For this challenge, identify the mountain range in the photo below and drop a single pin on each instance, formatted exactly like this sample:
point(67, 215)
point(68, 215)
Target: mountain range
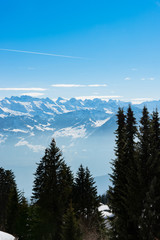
point(83, 130)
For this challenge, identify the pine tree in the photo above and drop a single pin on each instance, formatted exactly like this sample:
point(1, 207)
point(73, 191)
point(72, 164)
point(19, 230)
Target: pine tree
point(150, 218)
point(85, 193)
point(117, 193)
point(71, 228)
point(86, 203)
point(8, 200)
point(144, 151)
point(22, 223)
point(104, 198)
point(12, 211)
point(131, 201)
point(122, 196)
point(51, 192)
point(144, 157)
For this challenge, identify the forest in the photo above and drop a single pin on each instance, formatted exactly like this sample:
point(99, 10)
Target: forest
point(65, 207)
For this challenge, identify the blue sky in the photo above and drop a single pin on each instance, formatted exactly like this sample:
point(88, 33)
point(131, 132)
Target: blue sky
point(113, 48)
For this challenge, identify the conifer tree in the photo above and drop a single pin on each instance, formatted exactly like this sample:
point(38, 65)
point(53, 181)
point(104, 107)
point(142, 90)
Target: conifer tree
point(22, 223)
point(8, 199)
point(117, 193)
point(149, 222)
point(85, 193)
point(51, 192)
point(144, 151)
point(122, 196)
point(12, 211)
point(86, 202)
point(71, 228)
point(131, 201)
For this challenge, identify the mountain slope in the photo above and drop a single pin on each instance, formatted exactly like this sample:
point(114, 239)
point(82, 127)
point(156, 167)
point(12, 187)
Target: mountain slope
point(84, 130)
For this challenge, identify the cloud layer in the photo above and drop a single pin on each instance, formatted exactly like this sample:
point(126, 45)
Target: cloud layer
point(106, 98)
point(77, 85)
point(23, 89)
point(32, 94)
point(34, 148)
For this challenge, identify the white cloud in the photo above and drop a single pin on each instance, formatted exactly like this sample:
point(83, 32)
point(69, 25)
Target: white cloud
point(97, 85)
point(33, 94)
point(141, 100)
point(34, 148)
point(2, 138)
point(77, 85)
point(127, 78)
point(67, 85)
point(151, 79)
point(23, 89)
point(39, 53)
point(106, 98)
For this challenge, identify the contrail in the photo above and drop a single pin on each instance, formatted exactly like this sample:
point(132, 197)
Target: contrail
point(39, 53)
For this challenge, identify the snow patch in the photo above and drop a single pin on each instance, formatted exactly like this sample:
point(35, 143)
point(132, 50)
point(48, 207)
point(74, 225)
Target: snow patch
point(6, 236)
point(104, 209)
point(12, 112)
point(38, 104)
point(27, 105)
point(78, 132)
point(99, 123)
point(108, 111)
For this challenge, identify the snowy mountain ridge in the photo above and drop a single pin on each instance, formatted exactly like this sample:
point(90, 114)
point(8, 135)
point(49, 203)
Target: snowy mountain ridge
point(83, 129)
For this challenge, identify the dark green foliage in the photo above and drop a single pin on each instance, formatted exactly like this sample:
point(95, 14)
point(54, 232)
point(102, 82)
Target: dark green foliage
point(122, 196)
point(85, 193)
point(104, 198)
point(8, 200)
point(12, 211)
point(149, 220)
point(51, 193)
point(131, 201)
point(134, 198)
point(144, 152)
point(71, 228)
point(117, 193)
point(22, 223)
point(86, 203)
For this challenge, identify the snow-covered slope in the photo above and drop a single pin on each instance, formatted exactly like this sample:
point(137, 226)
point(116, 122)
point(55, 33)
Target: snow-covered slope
point(6, 236)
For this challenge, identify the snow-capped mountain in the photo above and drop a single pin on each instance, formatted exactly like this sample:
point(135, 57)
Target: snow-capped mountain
point(84, 131)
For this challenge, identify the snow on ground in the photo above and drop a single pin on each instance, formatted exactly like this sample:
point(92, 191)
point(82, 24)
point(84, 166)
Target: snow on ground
point(99, 123)
point(104, 209)
point(6, 236)
point(12, 112)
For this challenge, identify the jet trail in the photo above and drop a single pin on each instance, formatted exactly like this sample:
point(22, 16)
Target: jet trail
point(40, 53)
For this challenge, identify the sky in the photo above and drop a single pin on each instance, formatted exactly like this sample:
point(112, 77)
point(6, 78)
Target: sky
point(80, 49)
